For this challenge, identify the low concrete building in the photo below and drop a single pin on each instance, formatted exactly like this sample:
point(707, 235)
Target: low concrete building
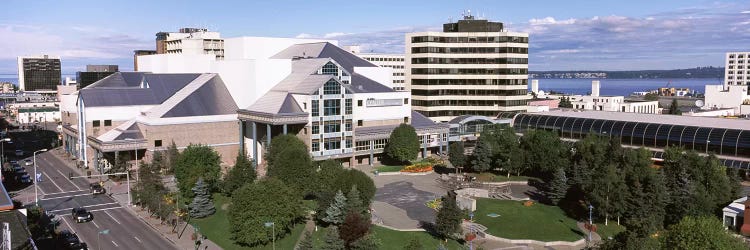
point(597, 102)
point(136, 113)
point(734, 214)
point(728, 96)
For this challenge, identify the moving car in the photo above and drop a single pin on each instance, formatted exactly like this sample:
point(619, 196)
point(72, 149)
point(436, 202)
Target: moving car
point(97, 188)
point(81, 215)
point(68, 240)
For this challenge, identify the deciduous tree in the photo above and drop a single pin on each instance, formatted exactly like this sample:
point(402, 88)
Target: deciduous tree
point(291, 163)
point(456, 155)
point(701, 233)
point(266, 200)
point(354, 227)
point(242, 172)
point(482, 156)
point(197, 161)
point(403, 144)
point(544, 153)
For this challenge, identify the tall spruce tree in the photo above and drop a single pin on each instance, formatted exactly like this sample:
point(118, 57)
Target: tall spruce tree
point(202, 205)
point(448, 218)
point(337, 210)
point(558, 187)
point(354, 202)
point(331, 241)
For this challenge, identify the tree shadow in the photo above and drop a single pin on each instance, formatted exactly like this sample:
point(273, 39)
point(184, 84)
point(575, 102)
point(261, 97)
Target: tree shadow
point(440, 169)
point(578, 232)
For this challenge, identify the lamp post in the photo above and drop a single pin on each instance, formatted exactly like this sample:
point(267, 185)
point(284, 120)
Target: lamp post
point(591, 223)
point(2, 155)
point(36, 179)
point(273, 233)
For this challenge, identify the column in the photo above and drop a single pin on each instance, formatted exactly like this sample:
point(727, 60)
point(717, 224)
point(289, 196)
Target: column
point(440, 145)
point(242, 136)
point(285, 129)
point(255, 142)
point(448, 143)
point(268, 135)
point(372, 148)
point(424, 146)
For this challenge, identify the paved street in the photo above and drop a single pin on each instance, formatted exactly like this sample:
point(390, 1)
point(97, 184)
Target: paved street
point(59, 195)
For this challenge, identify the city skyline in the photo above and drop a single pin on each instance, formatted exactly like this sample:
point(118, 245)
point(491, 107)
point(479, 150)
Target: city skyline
point(575, 35)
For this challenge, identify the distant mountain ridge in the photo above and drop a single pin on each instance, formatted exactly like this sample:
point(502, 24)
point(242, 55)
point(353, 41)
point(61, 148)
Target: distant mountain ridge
point(698, 72)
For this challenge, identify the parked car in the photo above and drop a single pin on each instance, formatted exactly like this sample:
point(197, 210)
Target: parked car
point(13, 162)
point(28, 162)
point(19, 152)
point(25, 178)
point(81, 215)
point(97, 188)
point(67, 239)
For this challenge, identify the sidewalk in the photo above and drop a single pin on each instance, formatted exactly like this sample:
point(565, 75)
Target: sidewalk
point(119, 191)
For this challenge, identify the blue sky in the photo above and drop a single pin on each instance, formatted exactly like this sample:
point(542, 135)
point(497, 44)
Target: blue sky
point(564, 35)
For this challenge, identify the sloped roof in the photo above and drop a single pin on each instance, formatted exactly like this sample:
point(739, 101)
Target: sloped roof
point(123, 89)
point(275, 102)
point(127, 130)
point(324, 50)
point(362, 84)
point(132, 132)
point(212, 98)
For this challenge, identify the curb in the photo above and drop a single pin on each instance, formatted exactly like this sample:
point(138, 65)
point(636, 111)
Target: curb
point(130, 209)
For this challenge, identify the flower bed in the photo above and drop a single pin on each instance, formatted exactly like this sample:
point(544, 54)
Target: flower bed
point(434, 204)
point(418, 168)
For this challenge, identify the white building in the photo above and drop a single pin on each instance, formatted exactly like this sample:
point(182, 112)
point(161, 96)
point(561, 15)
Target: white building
point(247, 70)
point(39, 73)
point(393, 61)
point(190, 41)
point(609, 103)
point(737, 68)
point(729, 96)
point(35, 112)
point(473, 67)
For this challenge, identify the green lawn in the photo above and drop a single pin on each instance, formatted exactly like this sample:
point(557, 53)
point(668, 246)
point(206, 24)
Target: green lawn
point(386, 168)
point(609, 230)
point(392, 239)
point(516, 221)
point(216, 228)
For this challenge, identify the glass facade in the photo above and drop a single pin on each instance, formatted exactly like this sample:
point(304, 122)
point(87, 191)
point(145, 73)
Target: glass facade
point(720, 141)
point(41, 73)
point(470, 39)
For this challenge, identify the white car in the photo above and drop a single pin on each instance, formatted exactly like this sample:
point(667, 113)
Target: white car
point(28, 162)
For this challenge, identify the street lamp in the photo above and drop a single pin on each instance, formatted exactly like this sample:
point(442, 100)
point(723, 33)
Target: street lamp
point(36, 179)
point(2, 155)
point(591, 223)
point(273, 233)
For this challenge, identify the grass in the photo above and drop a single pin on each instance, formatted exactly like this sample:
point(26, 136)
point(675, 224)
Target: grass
point(537, 222)
point(392, 239)
point(216, 228)
point(609, 230)
point(386, 168)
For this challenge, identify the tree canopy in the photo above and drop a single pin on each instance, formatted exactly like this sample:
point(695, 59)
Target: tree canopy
point(403, 144)
point(242, 172)
point(456, 155)
point(254, 204)
point(701, 233)
point(197, 161)
point(290, 162)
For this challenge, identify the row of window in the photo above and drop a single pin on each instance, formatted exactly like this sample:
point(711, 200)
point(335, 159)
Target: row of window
point(393, 66)
point(331, 107)
point(384, 59)
point(331, 126)
point(738, 61)
point(331, 144)
point(428, 82)
point(458, 113)
point(470, 39)
point(738, 67)
point(738, 77)
point(365, 145)
point(738, 56)
point(739, 72)
point(433, 60)
point(97, 123)
point(469, 92)
point(420, 71)
point(470, 50)
point(398, 81)
point(722, 141)
point(484, 103)
point(398, 74)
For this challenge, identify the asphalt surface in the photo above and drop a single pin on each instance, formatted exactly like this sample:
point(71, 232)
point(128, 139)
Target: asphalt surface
point(59, 195)
point(403, 195)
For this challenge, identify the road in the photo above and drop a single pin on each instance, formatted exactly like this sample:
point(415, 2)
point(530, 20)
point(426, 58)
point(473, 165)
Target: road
point(59, 194)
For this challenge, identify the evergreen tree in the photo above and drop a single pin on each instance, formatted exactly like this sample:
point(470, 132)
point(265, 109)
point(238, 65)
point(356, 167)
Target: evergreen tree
point(674, 108)
point(367, 242)
point(456, 155)
point(608, 191)
point(306, 243)
point(558, 187)
point(202, 205)
point(157, 161)
point(354, 202)
point(242, 172)
point(172, 155)
point(414, 244)
point(121, 164)
point(508, 154)
point(331, 241)
point(403, 144)
point(482, 156)
point(647, 196)
point(448, 218)
point(337, 210)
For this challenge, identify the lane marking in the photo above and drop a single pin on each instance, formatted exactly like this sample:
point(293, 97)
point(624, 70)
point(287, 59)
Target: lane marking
point(66, 223)
point(69, 180)
point(53, 182)
point(97, 226)
point(113, 218)
point(136, 238)
point(97, 205)
point(104, 209)
point(54, 198)
point(113, 242)
point(40, 190)
point(65, 192)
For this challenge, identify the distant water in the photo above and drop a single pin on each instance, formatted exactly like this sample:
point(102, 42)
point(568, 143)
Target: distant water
point(623, 87)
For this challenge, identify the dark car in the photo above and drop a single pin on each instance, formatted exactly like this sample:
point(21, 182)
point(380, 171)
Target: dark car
point(25, 178)
point(81, 215)
point(67, 239)
point(97, 188)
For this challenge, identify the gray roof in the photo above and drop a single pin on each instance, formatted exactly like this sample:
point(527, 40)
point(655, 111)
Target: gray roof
point(123, 89)
point(132, 132)
point(362, 84)
point(653, 118)
point(212, 98)
point(418, 121)
point(324, 50)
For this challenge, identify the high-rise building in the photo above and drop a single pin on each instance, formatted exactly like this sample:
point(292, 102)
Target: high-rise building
point(394, 61)
point(39, 73)
point(473, 67)
point(737, 70)
point(192, 41)
point(94, 73)
point(140, 52)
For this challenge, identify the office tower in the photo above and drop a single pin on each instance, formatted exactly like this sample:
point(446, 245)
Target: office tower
point(191, 41)
point(472, 67)
point(39, 73)
point(737, 70)
point(393, 61)
point(140, 52)
point(94, 73)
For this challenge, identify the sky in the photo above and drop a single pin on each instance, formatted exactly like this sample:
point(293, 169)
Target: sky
point(563, 35)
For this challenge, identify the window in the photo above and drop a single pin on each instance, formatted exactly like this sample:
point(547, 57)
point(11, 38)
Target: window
point(332, 126)
point(157, 143)
point(348, 142)
point(332, 143)
point(331, 88)
point(304, 105)
point(107, 122)
point(97, 123)
point(315, 111)
point(315, 128)
point(359, 123)
point(359, 103)
point(348, 125)
point(331, 107)
point(330, 69)
point(406, 100)
point(315, 145)
point(348, 106)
